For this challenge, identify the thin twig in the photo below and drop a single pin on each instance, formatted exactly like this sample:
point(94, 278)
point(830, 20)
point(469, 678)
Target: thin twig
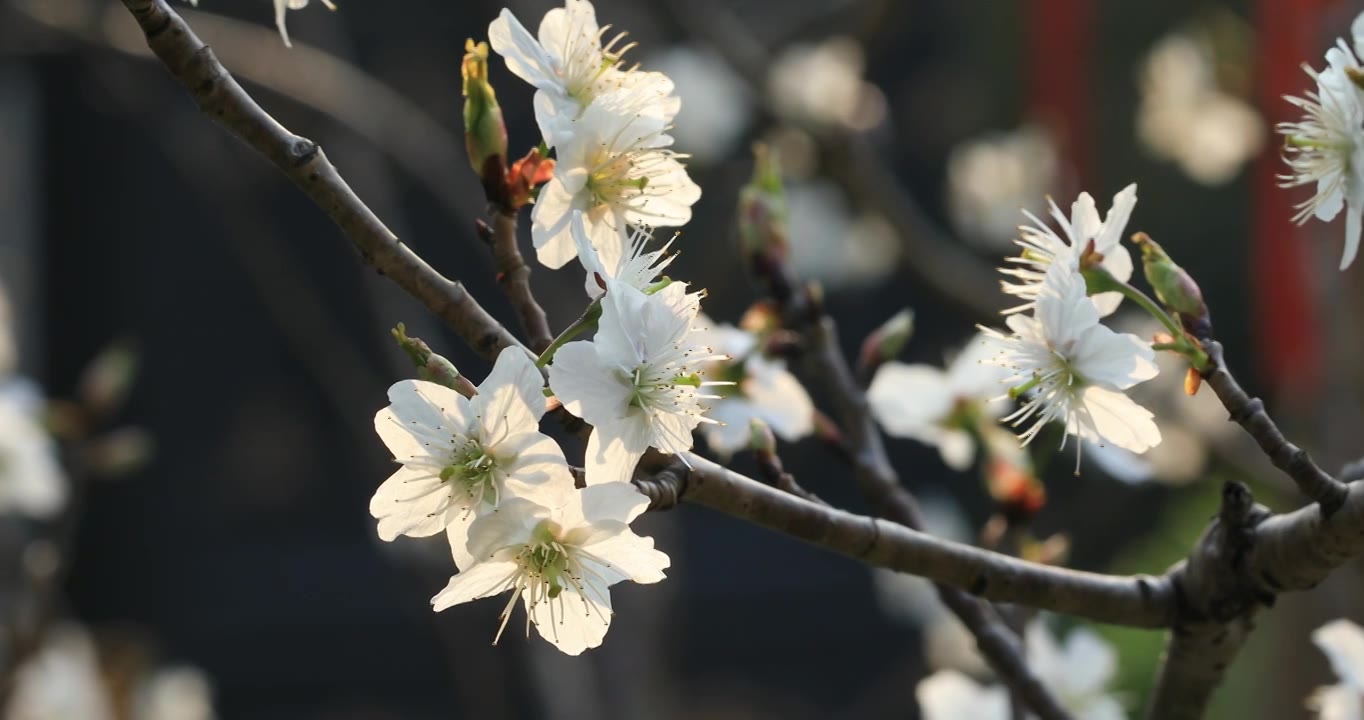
point(1249, 413)
point(219, 96)
point(514, 276)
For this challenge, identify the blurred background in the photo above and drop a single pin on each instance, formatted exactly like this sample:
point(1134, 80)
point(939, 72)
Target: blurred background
point(228, 538)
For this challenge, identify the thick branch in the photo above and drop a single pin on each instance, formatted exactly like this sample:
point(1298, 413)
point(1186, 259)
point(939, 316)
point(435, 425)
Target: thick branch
point(1218, 607)
point(514, 276)
point(214, 90)
point(1136, 601)
point(1249, 413)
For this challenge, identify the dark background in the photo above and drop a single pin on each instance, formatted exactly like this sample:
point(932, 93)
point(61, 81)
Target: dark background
point(245, 546)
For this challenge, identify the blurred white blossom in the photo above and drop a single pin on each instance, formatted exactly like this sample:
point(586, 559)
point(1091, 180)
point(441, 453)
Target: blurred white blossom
point(716, 105)
point(175, 693)
point(822, 85)
point(831, 244)
point(991, 177)
point(61, 681)
point(763, 389)
point(1184, 117)
point(31, 479)
point(1343, 644)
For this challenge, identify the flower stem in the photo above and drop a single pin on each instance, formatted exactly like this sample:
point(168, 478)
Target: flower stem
point(588, 321)
point(1100, 280)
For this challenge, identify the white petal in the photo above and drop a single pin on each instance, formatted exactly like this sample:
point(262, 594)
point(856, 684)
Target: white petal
point(457, 534)
point(1116, 222)
point(410, 502)
point(1089, 662)
point(422, 418)
point(614, 449)
point(950, 695)
point(549, 227)
point(1108, 416)
point(587, 386)
point(479, 581)
point(570, 26)
point(1343, 643)
point(779, 398)
point(628, 556)
point(1353, 226)
point(730, 432)
point(910, 400)
point(525, 57)
point(511, 399)
point(535, 469)
point(620, 502)
point(1084, 220)
point(1337, 702)
point(568, 622)
point(957, 448)
point(1116, 360)
point(510, 525)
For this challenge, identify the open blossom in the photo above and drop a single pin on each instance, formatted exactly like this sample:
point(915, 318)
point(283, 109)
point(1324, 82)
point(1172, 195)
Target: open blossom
point(570, 66)
point(559, 561)
point(1076, 369)
point(763, 389)
point(1326, 148)
point(1077, 673)
point(614, 165)
point(62, 679)
point(462, 458)
point(628, 263)
point(941, 407)
point(1042, 247)
point(638, 382)
point(1343, 643)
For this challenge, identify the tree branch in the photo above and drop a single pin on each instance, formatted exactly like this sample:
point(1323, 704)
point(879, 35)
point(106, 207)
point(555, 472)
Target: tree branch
point(1217, 613)
point(1249, 413)
point(514, 276)
point(218, 95)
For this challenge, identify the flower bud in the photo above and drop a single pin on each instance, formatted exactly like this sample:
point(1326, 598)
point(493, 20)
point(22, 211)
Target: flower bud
point(430, 366)
point(763, 231)
point(1018, 492)
point(1174, 287)
point(105, 383)
point(885, 343)
point(485, 134)
point(760, 438)
point(525, 176)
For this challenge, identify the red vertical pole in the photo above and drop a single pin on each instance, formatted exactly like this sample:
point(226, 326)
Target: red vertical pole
point(1060, 57)
point(1287, 331)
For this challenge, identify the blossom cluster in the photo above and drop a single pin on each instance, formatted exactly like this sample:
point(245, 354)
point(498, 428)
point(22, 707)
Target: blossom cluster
point(31, 479)
point(1325, 148)
point(477, 468)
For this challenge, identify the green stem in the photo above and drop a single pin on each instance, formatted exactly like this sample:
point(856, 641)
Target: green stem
point(1100, 280)
point(588, 321)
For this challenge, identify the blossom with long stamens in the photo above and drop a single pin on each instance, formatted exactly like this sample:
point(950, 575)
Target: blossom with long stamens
point(1042, 247)
point(630, 264)
point(639, 381)
point(613, 164)
point(1075, 369)
point(462, 458)
point(559, 562)
point(572, 63)
point(1326, 148)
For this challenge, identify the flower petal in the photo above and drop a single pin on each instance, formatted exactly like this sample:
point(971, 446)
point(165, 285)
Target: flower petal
point(627, 556)
point(1110, 416)
point(1343, 643)
point(410, 502)
point(614, 449)
point(479, 581)
point(569, 622)
point(587, 385)
point(511, 399)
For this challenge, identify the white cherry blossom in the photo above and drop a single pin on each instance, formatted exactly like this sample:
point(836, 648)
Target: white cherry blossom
point(570, 66)
point(938, 406)
point(462, 458)
point(631, 264)
point(1326, 148)
point(763, 389)
point(614, 165)
point(1076, 369)
point(1343, 643)
point(281, 8)
point(559, 561)
point(952, 695)
point(638, 382)
point(1042, 247)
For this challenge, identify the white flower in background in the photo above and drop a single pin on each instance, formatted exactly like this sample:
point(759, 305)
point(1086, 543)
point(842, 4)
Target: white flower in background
point(559, 562)
point(1077, 673)
point(822, 85)
point(638, 382)
point(630, 264)
point(281, 6)
point(763, 389)
point(175, 693)
point(61, 680)
point(991, 177)
point(1326, 148)
point(1076, 369)
point(1343, 643)
point(951, 695)
point(1042, 247)
point(867, 249)
point(614, 165)
point(570, 66)
point(717, 107)
point(31, 479)
point(462, 458)
point(1186, 118)
point(937, 406)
